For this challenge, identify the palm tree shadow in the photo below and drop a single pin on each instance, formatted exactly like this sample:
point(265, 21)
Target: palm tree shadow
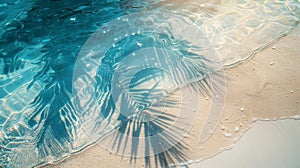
point(149, 128)
point(161, 142)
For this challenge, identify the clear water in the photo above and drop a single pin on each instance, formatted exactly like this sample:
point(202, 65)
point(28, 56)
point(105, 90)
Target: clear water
point(61, 86)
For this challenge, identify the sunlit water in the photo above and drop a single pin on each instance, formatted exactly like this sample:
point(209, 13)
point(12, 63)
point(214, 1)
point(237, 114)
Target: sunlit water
point(53, 103)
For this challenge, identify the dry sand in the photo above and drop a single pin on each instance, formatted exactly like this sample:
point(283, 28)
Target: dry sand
point(266, 86)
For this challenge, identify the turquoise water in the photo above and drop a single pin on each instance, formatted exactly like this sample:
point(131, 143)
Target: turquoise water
point(39, 46)
point(72, 72)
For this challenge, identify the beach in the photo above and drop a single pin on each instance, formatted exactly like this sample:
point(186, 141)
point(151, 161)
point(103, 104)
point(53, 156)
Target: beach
point(149, 83)
point(264, 87)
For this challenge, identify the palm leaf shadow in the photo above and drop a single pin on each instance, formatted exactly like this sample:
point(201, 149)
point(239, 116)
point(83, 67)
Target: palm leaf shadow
point(135, 128)
point(189, 70)
point(171, 150)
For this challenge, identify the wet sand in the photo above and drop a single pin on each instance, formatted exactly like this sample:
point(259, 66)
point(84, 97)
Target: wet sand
point(255, 150)
point(266, 87)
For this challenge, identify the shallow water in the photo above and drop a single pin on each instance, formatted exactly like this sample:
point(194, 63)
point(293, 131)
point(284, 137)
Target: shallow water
point(57, 78)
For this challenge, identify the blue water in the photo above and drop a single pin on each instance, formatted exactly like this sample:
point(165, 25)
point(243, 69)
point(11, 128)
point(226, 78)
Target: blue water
point(40, 123)
point(39, 46)
point(74, 71)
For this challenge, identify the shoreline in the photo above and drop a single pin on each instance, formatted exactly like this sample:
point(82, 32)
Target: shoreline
point(263, 87)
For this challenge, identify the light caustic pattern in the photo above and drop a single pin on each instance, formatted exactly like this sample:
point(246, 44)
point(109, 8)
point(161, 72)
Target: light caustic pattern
point(135, 86)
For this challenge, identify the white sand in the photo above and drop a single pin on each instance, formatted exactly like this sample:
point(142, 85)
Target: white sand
point(272, 144)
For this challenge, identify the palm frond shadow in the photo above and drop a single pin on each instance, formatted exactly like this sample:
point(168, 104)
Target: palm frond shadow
point(165, 146)
point(161, 139)
point(142, 122)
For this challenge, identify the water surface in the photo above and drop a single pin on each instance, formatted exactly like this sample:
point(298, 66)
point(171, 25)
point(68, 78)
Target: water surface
point(40, 46)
